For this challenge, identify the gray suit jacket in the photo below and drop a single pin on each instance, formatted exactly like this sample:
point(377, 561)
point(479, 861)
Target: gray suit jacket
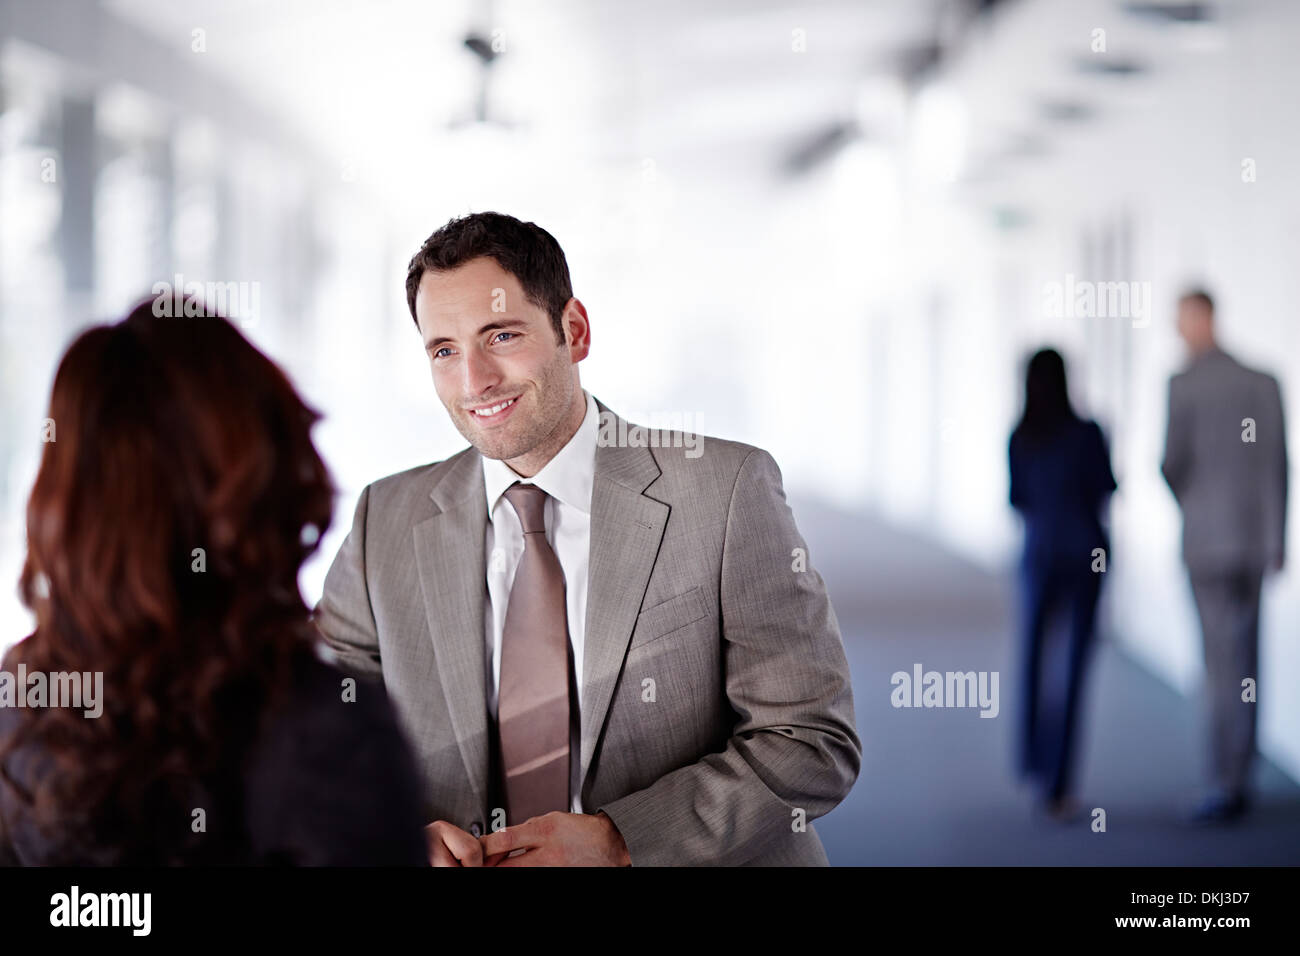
point(1232, 492)
point(717, 712)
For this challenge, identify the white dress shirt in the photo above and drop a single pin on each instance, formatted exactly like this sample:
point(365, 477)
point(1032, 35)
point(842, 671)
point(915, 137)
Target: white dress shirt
point(567, 478)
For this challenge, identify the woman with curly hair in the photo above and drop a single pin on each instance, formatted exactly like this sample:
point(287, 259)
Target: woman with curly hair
point(165, 531)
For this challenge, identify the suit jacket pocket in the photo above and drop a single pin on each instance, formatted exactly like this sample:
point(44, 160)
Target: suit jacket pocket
point(669, 616)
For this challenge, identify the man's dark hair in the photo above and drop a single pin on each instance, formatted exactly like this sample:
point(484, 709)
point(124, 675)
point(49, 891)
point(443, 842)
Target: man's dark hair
point(524, 249)
point(1200, 296)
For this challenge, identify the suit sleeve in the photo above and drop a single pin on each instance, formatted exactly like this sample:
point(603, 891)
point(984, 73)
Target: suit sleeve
point(344, 617)
point(1177, 458)
point(1275, 498)
point(1017, 491)
point(1103, 474)
point(794, 752)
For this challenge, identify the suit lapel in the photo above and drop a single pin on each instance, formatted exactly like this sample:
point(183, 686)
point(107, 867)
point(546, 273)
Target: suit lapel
point(626, 529)
point(452, 566)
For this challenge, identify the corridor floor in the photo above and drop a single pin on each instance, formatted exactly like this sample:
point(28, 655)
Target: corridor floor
point(936, 786)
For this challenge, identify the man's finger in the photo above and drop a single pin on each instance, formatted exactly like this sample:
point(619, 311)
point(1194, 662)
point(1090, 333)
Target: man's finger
point(439, 855)
point(452, 846)
point(464, 846)
point(536, 857)
point(509, 839)
point(498, 843)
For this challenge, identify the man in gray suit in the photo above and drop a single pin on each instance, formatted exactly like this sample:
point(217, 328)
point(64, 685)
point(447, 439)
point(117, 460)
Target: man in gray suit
point(1226, 463)
point(667, 685)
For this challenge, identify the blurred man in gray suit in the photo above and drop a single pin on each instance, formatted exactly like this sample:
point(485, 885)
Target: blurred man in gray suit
point(1226, 463)
point(606, 644)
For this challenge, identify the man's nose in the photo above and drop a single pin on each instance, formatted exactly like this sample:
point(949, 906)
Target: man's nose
point(480, 373)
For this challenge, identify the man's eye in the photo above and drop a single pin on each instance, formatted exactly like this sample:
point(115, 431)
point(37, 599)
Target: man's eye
point(505, 333)
point(443, 349)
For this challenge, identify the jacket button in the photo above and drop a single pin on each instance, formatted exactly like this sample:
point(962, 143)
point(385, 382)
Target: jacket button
point(476, 829)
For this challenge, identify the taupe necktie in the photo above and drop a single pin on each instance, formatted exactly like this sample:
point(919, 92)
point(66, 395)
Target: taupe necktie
point(533, 697)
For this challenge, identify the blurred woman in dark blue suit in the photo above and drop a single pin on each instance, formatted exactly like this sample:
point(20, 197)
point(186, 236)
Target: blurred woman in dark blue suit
point(1060, 481)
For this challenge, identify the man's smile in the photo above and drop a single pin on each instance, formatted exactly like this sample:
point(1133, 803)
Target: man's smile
point(494, 413)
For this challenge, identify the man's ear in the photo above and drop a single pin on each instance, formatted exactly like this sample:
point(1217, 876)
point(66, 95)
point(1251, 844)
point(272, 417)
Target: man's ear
point(577, 329)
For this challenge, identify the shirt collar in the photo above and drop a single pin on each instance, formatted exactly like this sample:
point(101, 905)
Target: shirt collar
point(567, 477)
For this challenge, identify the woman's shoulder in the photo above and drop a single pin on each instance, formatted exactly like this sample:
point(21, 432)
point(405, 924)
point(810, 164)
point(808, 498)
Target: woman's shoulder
point(323, 696)
point(1091, 431)
point(1078, 431)
point(327, 719)
point(332, 778)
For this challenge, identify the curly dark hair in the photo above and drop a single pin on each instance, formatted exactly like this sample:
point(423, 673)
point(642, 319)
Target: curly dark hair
point(172, 435)
point(524, 249)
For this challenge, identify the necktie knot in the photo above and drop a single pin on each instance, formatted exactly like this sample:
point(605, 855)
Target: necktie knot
point(528, 502)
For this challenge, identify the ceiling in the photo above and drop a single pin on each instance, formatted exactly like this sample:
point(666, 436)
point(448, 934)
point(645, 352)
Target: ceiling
point(689, 82)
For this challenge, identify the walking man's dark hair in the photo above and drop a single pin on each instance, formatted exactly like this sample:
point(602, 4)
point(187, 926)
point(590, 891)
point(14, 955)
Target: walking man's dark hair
point(1199, 296)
